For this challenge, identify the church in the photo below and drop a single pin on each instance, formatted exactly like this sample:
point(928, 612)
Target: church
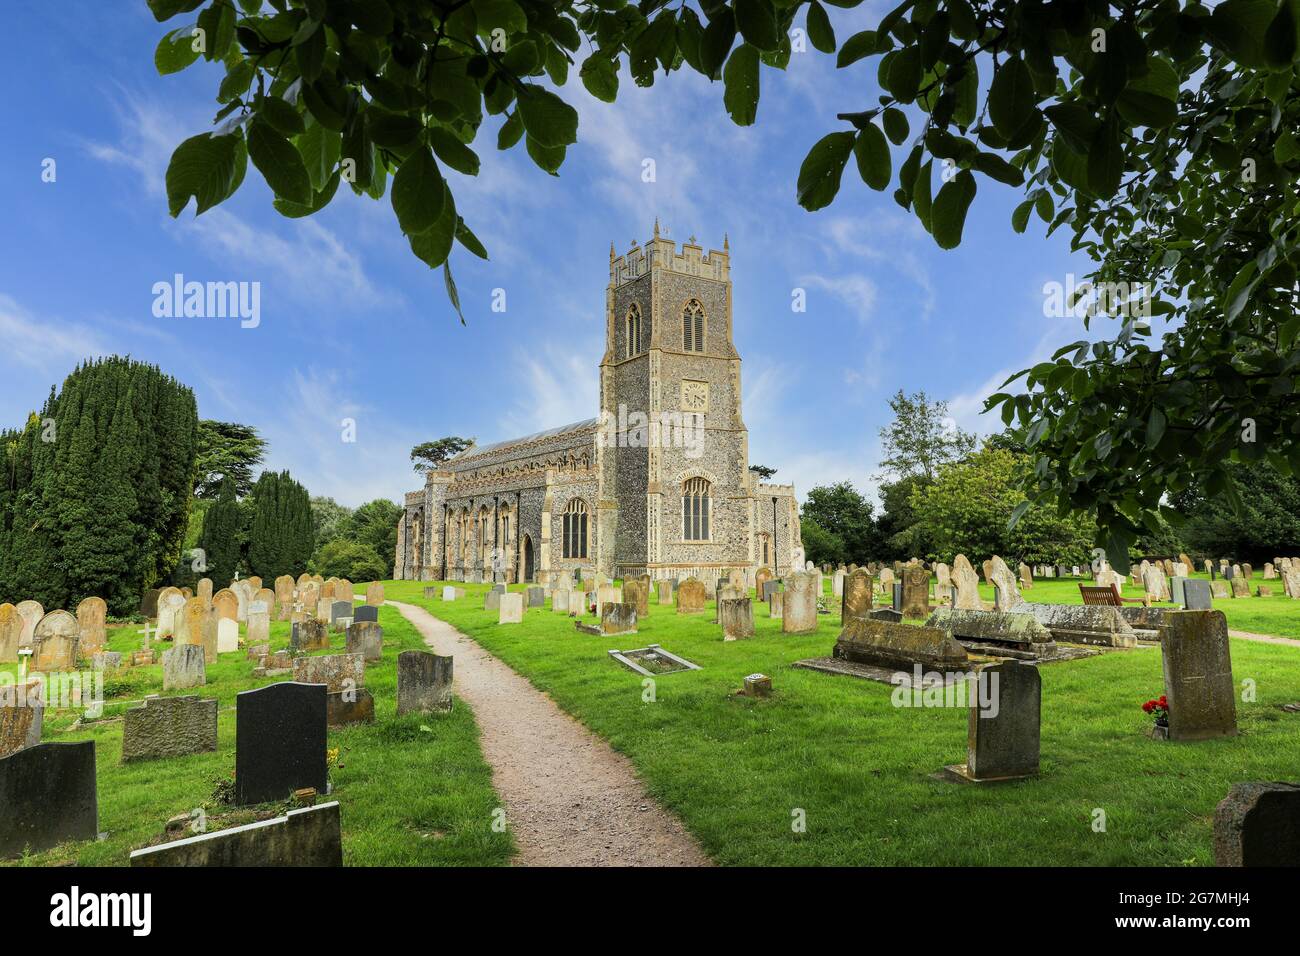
point(657, 483)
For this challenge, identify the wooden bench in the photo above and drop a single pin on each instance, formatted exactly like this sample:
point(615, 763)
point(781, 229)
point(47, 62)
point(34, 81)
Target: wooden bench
point(1108, 596)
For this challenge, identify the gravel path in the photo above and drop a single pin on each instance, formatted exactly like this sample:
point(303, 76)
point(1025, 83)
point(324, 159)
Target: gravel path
point(1264, 638)
point(570, 799)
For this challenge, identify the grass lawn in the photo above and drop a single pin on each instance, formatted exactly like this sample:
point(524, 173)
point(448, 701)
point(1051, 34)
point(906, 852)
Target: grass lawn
point(835, 752)
point(414, 790)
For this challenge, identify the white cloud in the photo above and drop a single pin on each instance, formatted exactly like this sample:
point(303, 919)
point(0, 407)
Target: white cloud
point(49, 345)
point(556, 387)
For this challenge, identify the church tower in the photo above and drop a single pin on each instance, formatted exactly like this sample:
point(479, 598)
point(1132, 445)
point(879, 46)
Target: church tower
point(673, 453)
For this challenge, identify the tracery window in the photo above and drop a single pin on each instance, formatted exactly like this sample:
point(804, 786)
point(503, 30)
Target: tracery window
point(634, 330)
point(693, 326)
point(695, 509)
point(575, 529)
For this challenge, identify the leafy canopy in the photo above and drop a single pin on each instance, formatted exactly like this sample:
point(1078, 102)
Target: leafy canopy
point(430, 454)
point(1161, 134)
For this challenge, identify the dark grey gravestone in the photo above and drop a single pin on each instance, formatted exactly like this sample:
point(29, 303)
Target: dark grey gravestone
point(340, 609)
point(499, 588)
point(1002, 739)
point(423, 682)
point(1258, 824)
point(279, 741)
point(1228, 573)
point(47, 796)
point(1176, 585)
point(365, 612)
point(770, 588)
point(492, 600)
point(1197, 596)
point(898, 596)
point(886, 614)
point(1198, 675)
point(537, 597)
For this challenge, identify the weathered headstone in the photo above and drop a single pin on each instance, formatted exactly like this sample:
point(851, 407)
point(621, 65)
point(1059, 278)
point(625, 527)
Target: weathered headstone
point(1198, 675)
point(338, 672)
point(31, 613)
point(284, 588)
point(424, 682)
point(226, 604)
point(365, 612)
point(1258, 824)
point(367, 639)
point(617, 617)
point(884, 644)
point(492, 600)
point(737, 618)
point(184, 666)
point(916, 593)
point(856, 602)
point(22, 713)
point(227, 636)
point(54, 643)
point(799, 607)
point(536, 595)
point(560, 600)
point(280, 734)
point(965, 582)
point(309, 635)
point(691, 596)
point(1003, 728)
point(1219, 589)
point(664, 591)
point(374, 594)
point(512, 609)
point(311, 836)
point(761, 577)
point(1008, 594)
point(92, 616)
point(169, 727)
point(1240, 586)
point(1196, 595)
point(11, 629)
point(776, 605)
point(637, 593)
point(47, 797)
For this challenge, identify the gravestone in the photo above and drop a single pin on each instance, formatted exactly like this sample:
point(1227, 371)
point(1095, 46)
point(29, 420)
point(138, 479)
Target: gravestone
point(1198, 675)
point(512, 609)
point(1258, 824)
point(725, 592)
point(227, 636)
point(664, 590)
point(448, 594)
point(560, 600)
point(768, 589)
point(184, 666)
point(1007, 595)
point(284, 588)
point(887, 579)
point(226, 604)
point(916, 593)
point(799, 606)
point(776, 605)
point(338, 672)
point(885, 644)
point(374, 594)
point(943, 591)
point(1219, 589)
point(169, 727)
point(1176, 585)
point(617, 617)
point(309, 635)
point(637, 593)
point(737, 618)
point(856, 602)
point(11, 628)
point(492, 600)
point(965, 582)
point(366, 612)
point(22, 715)
point(259, 622)
point(424, 683)
point(54, 643)
point(149, 603)
point(1196, 595)
point(280, 734)
point(536, 596)
point(367, 639)
point(311, 836)
point(92, 616)
point(338, 611)
point(1003, 736)
point(1026, 576)
point(761, 577)
point(837, 583)
point(31, 613)
point(691, 597)
point(1240, 586)
point(47, 797)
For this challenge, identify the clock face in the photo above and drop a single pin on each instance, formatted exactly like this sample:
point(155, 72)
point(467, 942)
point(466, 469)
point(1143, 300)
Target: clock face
point(695, 396)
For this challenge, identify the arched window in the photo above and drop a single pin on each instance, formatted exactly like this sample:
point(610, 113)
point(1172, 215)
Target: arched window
point(484, 526)
point(765, 545)
point(634, 330)
point(693, 326)
point(575, 529)
point(695, 510)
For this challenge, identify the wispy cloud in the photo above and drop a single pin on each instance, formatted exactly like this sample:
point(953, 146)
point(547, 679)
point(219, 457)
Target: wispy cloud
point(48, 345)
point(557, 386)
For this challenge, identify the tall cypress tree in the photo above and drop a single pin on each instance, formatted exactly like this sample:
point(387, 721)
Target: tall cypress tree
point(98, 487)
point(219, 538)
point(280, 536)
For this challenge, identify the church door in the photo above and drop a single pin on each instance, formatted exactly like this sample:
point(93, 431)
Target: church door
point(528, 558)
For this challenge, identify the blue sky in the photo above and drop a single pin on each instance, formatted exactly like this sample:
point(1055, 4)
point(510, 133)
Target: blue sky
point(353, 326)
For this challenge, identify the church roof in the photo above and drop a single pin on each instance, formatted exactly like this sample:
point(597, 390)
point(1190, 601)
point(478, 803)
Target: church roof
point(477, 450)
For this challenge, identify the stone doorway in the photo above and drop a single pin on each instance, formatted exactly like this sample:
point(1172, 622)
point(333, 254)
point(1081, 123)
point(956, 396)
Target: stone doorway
point(528, 559)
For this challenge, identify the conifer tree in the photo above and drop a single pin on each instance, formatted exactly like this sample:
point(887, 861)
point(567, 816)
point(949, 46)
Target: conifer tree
point(220, 538)
point(280, 533)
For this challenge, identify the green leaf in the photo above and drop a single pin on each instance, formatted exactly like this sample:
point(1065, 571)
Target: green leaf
point(209, 168)
point(741, 80)
point(820, 32)
point(279, 162)
point(822, 168)
point(319, 148)
point(995, 167)
point(548, 120)
point(719, 35)
point(1151, 100)
point(1105, 162)
point(166, 9)
point(548, 158)
point(1018, 513)
point(1280, 39)
point(433, 245)
point(600, 77)
point(511, 131)
point(504, 14)
point(319, 201)
point(454, 296)
point(419, 193)
point(872, 153)
point(922, 195)
point(175, 51)
point(453, 152)
point(218, 25)
point(950, 206)
point(904, 76)
point(1011, 97)
point(855, 48)
point(895, 122)
point(470, 241)
point(756, 21)
point(282, 116)
point(1020, 217)
point(1155, 427)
